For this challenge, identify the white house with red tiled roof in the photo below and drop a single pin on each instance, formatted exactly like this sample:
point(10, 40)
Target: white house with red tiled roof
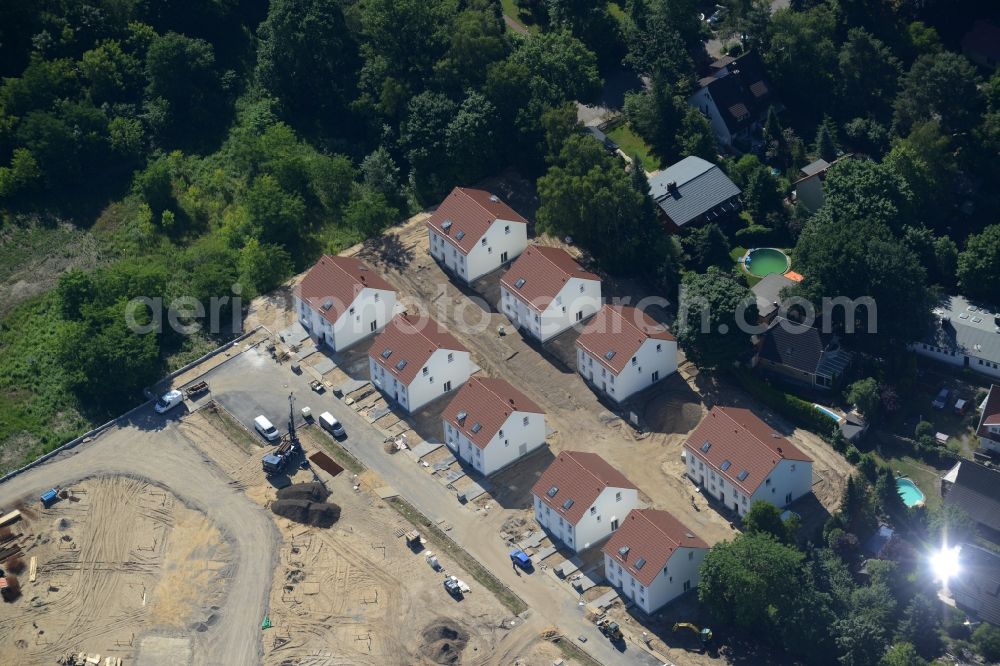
point(415, 360)
point(653, 558)
point(473, 233)
point(739, 459)
point(490, 424)
point(989, 421)
point(622, 350)
point(546, 291)
point(580, 499)
point(341, 301)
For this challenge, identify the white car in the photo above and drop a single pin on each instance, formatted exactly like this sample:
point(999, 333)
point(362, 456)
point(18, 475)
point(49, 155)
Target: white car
point(329, 422)
point(266, 428)
point(168, 401)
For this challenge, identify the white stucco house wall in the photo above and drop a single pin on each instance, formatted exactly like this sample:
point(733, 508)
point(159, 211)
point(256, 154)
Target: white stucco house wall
point(546, 291)
point(622, 350)
point(490, 424)
point(738, 459)
point(653, 558)
point(963, 334)
point(988, 429)
point(341, 301)
point(473, 233)
point(415, 360)
point(580, 499)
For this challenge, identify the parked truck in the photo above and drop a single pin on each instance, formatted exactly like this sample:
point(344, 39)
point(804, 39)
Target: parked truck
point(276, 461)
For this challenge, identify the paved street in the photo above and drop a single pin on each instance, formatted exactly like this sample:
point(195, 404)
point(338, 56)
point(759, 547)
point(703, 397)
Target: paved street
point(253, 383)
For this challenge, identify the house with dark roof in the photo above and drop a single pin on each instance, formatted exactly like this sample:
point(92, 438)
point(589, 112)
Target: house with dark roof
point(653, 558)
point(473, 233)
point(490, 424)
point(546, 291)
point(580, 499)
point(734, 97)
point(808, 189)
point(414, 360)
point(739, 459)
point(975, 489)
point(692, 191)
point(801, 355)
point(988, 429)
point(963, 334)
point(981, 44)
point(768, 295)
point(622, 350)
point(341, 301)
point(976, 586)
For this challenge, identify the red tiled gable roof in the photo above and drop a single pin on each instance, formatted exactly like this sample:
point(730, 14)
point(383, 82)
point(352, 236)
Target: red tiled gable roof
point(337, 281)
point(488, 403)
point(650, 535)
point(991, 414)
point(621, 330)
point(410, 339)
point(545, 270)
point(744, 440)
point(577, 476)
point(471, 213)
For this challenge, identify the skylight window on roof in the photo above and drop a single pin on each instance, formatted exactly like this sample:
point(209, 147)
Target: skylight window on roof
point(459, 235)
point(401, 364)
point(640, 563)
point(610, 355)
point(519, 283)
point(567, 504)
point(387, 353)
point(477, 426)
point(743, 475)
point(725, 465)
point(706, 446)
point(552, 491)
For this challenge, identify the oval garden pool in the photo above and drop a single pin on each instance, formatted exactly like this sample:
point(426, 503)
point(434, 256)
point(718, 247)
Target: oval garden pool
point(763, 261)
point(912, 496)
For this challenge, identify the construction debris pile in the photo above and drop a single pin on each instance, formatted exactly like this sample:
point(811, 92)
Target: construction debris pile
point(443, 642)
point(306, 503)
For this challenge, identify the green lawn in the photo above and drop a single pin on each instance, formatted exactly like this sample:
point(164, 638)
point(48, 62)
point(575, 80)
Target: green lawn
point(926, 477)
point(513, 12)
point(632, 144)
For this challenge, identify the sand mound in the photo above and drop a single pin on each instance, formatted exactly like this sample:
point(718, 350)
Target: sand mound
point(314, 492)
point(443, 642)
point(317, 514)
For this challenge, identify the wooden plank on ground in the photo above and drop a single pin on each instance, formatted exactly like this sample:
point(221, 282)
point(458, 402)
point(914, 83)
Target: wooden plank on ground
point(33, 569)
point(11, 517)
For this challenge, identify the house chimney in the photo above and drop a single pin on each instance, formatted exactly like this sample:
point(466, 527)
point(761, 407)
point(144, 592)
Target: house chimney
point(672, 187)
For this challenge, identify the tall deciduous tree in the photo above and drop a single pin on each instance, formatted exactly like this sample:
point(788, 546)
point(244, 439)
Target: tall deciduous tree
point(929, 91)
point(979, 264)
point(711, 309)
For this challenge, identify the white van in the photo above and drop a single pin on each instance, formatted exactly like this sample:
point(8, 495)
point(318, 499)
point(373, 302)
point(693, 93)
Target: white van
point(328, 422)
point(168, 401)
point(266, 428)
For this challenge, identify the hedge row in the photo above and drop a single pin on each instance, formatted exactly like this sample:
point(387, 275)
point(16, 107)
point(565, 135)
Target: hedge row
point(796, 410)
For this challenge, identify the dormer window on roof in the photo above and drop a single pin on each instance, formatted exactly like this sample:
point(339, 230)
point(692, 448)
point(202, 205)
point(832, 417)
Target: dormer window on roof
point(519, 283)
point(568, 504)
point(552, 491)
point(386, 353)
point(706, 446)
point(401, 364)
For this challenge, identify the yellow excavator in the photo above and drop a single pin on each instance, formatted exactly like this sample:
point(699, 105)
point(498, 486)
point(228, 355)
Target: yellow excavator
point(704, 634)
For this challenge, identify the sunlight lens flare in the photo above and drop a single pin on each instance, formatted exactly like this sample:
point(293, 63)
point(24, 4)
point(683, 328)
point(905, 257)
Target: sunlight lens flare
point(944, 563)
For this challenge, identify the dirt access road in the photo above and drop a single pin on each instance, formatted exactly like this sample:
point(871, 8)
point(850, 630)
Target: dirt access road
point(155, 450)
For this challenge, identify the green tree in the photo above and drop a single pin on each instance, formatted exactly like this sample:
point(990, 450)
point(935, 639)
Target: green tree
point(182, 73)
point(422, 136)
point(902, 654)
point(262, 267)
point(979, 264)
point(867, 396)
point(704, 246)
point(112, 74)
point(695, 136)
point(274, 215)
point(765, 518)
point(380, 173)
point(925, 160)
point(938, 254)
point(708, 312)
point(860, 640)
point(308, 59)
point(949, 524)
point(825, 146)
point(637, 176)
point(661, 37)
point(656, 117)
point(929, 89)
point(888, 496)
point(802, 59)
point(370, 212)
point(869, 73)
point(478, 39)
point(470, 139)
point(986, 638)
point(919, 626)
point(75, 289)
point(22, 177)
point(746, 582)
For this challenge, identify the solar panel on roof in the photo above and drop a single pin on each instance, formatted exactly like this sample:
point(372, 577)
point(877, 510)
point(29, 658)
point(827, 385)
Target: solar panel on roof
point(725, 465)
point(567, 504)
